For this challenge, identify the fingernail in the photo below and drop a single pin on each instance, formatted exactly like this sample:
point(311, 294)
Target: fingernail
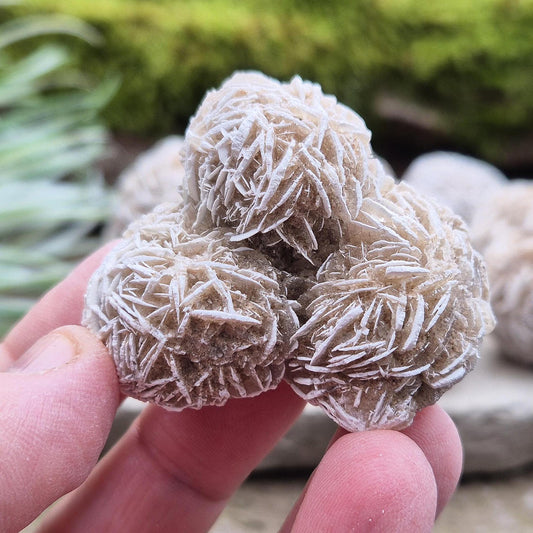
point(52, 351)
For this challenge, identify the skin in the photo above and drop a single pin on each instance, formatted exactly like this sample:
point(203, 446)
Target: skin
point(176, 471)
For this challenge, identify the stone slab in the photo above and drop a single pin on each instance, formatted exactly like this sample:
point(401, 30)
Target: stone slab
point(304, 444)
point(492, 408)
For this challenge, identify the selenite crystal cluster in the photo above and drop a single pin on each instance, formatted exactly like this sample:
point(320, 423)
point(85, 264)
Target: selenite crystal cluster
point(293, 255)
point(502, 230)
point(500, 219)
point(457, 181)
point(155, 177)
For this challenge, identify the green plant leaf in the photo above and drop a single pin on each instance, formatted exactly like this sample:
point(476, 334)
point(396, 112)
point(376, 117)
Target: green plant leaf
point(20, 29)
point(25, 78)
point(52, 197)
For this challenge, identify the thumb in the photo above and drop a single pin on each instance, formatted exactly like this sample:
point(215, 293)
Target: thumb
point(56, 408)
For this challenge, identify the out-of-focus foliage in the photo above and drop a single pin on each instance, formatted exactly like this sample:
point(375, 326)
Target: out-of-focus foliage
point(51, 196)
point(462, 69)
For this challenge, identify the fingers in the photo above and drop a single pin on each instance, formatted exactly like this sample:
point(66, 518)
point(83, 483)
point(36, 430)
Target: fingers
point(424, 460)
point(436, 435)
point(60, 306)
point(176, 471)
point(371, 481)
point(56, 409)
point(181, 468)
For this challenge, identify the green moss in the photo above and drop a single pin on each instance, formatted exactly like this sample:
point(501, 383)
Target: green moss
point(471, 63)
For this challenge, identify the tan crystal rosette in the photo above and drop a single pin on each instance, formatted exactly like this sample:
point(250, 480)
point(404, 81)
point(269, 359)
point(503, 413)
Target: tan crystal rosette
point(502, 230)
point(156, 176)
point(293, 254)
point(190, 319)
point(394, 320)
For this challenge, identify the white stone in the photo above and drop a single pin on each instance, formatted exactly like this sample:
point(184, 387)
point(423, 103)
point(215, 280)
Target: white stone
point(502, 230)
point(457, 181)
point(156, 176)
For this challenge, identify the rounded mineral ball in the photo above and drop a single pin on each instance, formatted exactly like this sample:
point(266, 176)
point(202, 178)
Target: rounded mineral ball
point(155, 177)
point(455, 180)
point(395, 319)
point(190, 319)
point(281, 160)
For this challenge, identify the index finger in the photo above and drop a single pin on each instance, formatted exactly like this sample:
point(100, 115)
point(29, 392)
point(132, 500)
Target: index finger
point(61, 306)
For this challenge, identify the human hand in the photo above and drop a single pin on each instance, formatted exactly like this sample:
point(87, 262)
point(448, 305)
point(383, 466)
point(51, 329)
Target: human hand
point(176, 471)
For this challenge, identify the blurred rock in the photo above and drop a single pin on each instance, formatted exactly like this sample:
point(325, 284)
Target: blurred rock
point(492, 408)
point(457, 181)
point(126, 414)
point(304, 444)
point(122, 151)
point(502, 230)
point(154, 177)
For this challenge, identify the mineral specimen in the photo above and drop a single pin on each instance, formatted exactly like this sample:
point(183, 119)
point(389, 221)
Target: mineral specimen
point(281, 160)
point(190, 319)
point(457, 181)
point(502, 230)
point(155, 177)
point(395, 319)
point(292, 254)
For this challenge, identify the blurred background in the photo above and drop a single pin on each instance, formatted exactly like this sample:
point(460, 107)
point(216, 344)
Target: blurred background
point(86, 86)
point(449, 75)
